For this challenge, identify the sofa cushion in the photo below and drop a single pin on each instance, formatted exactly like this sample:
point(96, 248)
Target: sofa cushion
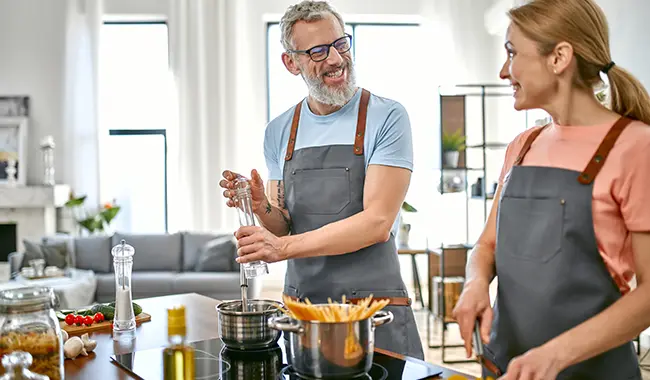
point(54, 253)
point(143, 284)
point(69, 241)
point(217, 255)
point(154, 252)
point(193, 246)
point(94, 253)
point(203, 283)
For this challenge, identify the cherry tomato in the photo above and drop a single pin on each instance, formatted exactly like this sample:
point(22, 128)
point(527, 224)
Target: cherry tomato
point(99, 317)
point(69, 319)
point(88, 320)
point(79, 320)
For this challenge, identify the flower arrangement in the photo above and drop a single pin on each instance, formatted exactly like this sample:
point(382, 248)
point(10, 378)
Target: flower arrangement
point(95, 220)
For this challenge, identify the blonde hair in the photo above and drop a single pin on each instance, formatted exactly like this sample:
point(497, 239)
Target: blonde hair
point(582, 23)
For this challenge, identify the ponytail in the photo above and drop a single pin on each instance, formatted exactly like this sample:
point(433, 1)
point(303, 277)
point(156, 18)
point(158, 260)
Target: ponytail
point(628, 96)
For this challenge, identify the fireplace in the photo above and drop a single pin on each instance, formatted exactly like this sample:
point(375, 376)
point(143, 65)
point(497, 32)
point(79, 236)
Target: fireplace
point(7, 240)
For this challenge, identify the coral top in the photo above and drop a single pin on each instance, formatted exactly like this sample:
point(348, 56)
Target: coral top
point(621, 194)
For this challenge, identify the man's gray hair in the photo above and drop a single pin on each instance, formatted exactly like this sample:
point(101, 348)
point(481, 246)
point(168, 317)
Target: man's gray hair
point(306, 10)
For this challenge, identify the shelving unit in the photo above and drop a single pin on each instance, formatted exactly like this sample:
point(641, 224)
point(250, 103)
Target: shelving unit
point(484, 115)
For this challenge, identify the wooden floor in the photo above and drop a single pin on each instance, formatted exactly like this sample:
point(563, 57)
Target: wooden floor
point(434, 355)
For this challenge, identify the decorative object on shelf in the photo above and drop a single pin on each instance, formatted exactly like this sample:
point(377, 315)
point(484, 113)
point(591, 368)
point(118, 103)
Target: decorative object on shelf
point(477, 188)
point(405, 228)
point(13, 152)
point(452, 145)
point(47, 150)
point(14, 106)
point(93, 221)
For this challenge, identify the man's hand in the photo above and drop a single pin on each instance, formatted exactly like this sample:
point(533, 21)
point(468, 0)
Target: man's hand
point(258, 196)
point(537, 364)
point(255, 243)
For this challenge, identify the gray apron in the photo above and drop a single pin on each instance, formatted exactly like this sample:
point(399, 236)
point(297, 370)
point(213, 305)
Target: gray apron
point(322, 185)
point(551, 275)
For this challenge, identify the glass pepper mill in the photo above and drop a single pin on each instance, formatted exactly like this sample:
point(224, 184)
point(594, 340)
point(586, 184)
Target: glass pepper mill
point(124, 319)
point(243, 201)
point(16, 366)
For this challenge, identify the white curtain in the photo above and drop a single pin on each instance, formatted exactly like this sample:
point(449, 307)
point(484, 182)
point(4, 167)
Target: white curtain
point(202, 50)
point(80, 119)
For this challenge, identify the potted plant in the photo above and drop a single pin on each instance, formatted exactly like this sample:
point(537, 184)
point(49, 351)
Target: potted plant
point(95, 220)
point(452, 145)
point(404, 228)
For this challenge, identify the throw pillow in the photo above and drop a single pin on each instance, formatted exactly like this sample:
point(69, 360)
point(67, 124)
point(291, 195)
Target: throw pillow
point(55, 254)
point(217, 255)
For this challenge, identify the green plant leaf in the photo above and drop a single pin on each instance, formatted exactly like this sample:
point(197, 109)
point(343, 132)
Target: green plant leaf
point(408, 208)
point(453, 141)
point(108, 214)
point(76, 202)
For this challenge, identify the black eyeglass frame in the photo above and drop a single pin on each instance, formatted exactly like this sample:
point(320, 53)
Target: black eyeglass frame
point(326, 46)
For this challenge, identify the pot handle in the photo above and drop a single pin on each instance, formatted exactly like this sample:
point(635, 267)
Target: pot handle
point(283, 323)
point(382, 317)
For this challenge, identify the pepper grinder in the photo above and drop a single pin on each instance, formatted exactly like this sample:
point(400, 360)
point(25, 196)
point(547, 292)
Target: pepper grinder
point(124, 320)
point(243, 202)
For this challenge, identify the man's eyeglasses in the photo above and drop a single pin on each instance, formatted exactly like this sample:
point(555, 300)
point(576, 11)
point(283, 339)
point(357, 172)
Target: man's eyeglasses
point(321, 52)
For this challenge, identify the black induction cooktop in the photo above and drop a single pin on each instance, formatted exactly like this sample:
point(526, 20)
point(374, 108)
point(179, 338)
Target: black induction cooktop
point(213, 361)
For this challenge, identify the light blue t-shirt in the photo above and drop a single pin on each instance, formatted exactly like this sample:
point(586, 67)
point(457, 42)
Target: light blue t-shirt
point(387, 140)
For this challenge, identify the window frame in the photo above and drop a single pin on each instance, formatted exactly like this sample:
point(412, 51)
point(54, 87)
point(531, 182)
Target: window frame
point(151, 132)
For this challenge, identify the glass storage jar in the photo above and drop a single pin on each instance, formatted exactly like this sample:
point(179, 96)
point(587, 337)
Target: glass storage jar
point(28, 323)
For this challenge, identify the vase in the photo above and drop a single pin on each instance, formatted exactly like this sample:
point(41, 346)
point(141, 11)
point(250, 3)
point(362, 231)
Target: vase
point(450, 159)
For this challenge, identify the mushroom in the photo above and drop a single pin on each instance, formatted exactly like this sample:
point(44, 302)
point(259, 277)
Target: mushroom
point(89, 345)
point(64, 334)
point(73, 347)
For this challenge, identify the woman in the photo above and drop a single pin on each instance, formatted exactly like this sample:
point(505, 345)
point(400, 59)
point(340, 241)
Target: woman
point(572, 224)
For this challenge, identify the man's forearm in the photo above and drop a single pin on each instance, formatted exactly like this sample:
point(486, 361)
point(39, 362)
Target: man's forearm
point(616, 325)
point(480, 264)
point(344, 236)
point(274, 219)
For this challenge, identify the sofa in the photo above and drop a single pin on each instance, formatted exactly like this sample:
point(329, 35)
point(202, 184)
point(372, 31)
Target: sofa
point(163, 264)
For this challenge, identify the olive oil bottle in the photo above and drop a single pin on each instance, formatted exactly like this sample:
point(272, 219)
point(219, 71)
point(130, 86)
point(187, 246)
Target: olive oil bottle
point(178, 356)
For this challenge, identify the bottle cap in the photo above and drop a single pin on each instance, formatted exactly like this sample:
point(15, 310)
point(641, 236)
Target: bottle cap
point(176, 320)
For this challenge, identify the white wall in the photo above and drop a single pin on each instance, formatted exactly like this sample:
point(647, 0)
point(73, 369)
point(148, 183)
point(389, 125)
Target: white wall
point(32, 45)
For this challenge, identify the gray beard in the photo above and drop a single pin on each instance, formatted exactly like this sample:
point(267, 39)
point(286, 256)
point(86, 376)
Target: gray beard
point(327, 95)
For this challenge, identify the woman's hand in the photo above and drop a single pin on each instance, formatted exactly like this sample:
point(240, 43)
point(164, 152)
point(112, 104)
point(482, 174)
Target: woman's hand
point(540, 363)
point(474, 302)
point(259, 201)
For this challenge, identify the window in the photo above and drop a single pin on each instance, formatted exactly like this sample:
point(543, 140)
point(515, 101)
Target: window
point(135, 111)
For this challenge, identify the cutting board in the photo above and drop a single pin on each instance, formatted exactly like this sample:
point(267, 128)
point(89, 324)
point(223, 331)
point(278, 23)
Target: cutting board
point(74, 330)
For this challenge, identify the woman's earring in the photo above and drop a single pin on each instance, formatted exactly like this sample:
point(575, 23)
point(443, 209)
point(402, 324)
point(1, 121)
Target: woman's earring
point(554, 71)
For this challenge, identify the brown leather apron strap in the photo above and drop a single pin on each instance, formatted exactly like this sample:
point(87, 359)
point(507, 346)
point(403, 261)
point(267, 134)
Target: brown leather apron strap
point(529, 141)
point(394, 301)
point(294, 131)
point(361, 122)
point(596, 163)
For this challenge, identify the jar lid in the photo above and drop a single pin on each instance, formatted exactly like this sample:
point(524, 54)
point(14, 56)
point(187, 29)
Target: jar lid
point(23, 300)
point(123, 250)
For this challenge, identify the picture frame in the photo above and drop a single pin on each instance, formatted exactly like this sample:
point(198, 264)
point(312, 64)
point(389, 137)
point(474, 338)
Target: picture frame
point(13, 106)
point(13, 145)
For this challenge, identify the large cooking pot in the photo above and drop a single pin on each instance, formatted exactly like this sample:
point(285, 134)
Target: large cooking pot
point(330, 349)
point(248, 330)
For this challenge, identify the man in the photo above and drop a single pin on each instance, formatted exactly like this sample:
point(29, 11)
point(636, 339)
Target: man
point(339, 164)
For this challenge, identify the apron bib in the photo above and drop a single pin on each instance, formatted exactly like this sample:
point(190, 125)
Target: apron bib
point(322, 185)
point(551, 275)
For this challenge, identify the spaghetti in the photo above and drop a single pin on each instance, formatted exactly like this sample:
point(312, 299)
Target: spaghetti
point(332, 312)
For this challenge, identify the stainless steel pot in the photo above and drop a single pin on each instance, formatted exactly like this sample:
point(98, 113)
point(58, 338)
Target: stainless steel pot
point(330, 350)
point(248, 330)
